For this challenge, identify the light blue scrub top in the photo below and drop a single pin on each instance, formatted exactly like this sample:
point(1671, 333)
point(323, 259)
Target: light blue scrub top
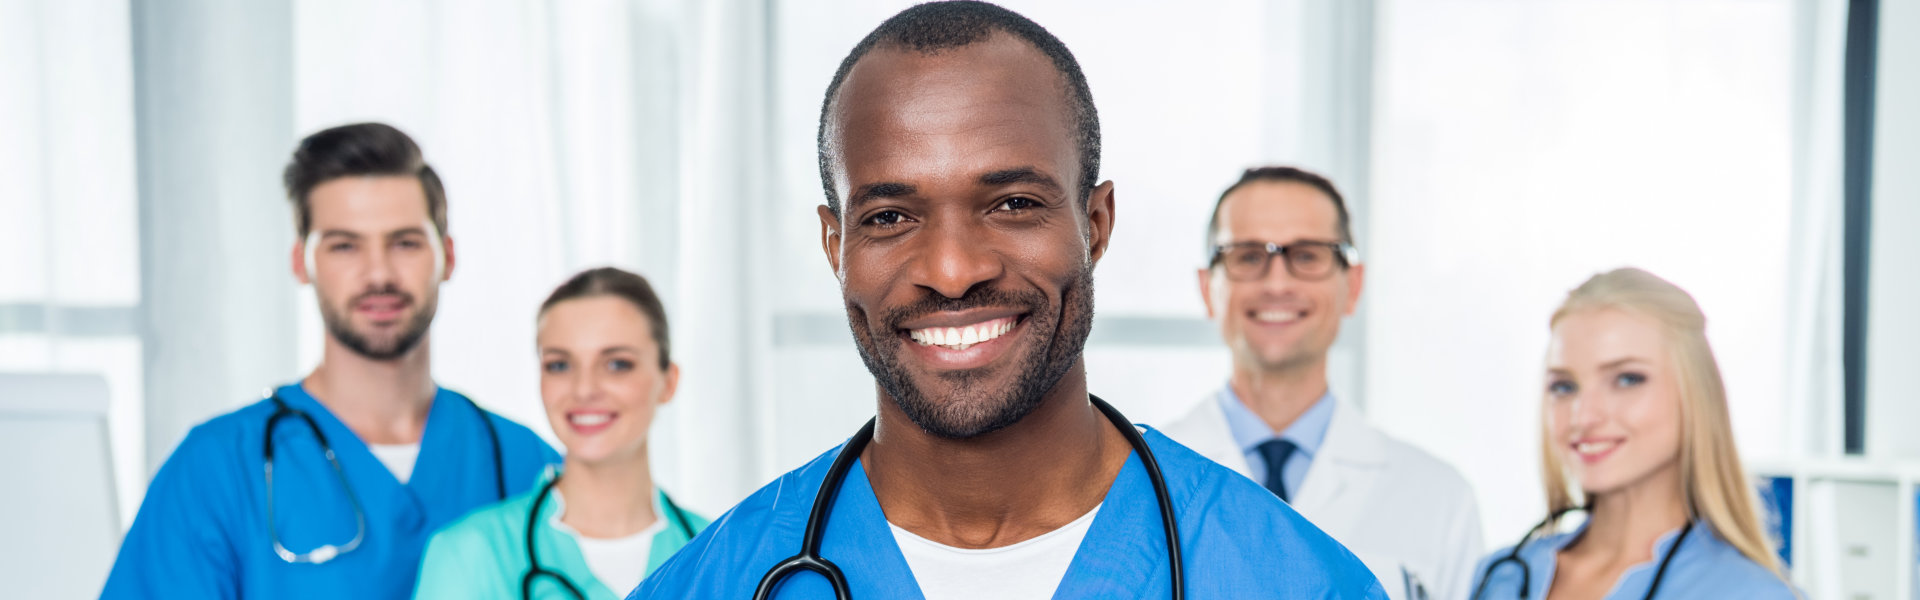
point(1237, 541)
point(1308, 433)
point(484, 554)
point(1704, 566)
point(201, 532)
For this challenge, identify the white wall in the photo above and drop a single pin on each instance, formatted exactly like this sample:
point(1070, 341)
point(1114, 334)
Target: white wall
point(1523, 147)
point(1893, 324)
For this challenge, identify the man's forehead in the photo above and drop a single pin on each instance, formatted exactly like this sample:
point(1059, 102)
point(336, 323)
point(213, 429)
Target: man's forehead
point(995, 98)
point(1278, 208)
point(368, 203)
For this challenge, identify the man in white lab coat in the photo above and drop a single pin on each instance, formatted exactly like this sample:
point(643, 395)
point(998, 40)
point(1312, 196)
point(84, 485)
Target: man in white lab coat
point(1282, 273)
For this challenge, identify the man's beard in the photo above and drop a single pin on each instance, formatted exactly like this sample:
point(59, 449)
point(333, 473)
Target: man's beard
point(382, 348)
point(1054, 341)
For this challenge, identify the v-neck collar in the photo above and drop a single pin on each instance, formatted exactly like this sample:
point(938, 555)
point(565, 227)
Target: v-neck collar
point(1109, 562)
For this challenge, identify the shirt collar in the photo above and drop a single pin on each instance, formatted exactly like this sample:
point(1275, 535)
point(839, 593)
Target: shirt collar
point(1307, 432)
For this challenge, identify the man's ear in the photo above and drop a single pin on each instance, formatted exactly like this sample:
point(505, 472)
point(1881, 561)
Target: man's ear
point(1099, 221)
point(830, 238)
point(299, 260)
point(446, 245)
point(1356, 282)
point(1206, 290)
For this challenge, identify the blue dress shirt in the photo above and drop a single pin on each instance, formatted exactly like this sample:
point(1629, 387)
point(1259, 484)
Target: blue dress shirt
point(1307, 433)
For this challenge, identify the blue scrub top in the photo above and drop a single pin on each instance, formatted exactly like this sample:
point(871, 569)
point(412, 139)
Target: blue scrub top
point(1236, 538)
point(1705, 566)
point(201, 532)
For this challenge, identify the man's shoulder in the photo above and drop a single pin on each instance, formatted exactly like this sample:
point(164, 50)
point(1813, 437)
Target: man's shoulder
point(1410, 466)
point(1226, 517)
point(744, 541)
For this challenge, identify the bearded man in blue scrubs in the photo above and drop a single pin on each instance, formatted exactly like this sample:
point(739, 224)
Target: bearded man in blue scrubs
point(963, 140)
point(368, 455)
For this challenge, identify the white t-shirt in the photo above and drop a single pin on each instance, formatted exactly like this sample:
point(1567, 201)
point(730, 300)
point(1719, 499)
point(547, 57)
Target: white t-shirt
point(398, 458)
point(1029, 569)
point(619, 563)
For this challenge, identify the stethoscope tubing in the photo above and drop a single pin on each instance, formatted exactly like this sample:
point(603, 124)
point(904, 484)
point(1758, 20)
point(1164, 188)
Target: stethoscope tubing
point(535, 571)
point(328, 551)
point(809, 558)
point(1526, 572)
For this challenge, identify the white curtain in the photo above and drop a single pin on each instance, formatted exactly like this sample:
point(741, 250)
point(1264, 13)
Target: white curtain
point(572, 135)
point(69, 261)
point(1522, 147)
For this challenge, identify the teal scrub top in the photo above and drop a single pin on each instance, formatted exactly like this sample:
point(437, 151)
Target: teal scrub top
point(484, 555)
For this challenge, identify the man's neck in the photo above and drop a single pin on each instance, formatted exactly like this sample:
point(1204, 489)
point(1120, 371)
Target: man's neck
point(608, 498)
point(1280, 396)
point(383, 402)
point(1004, 487)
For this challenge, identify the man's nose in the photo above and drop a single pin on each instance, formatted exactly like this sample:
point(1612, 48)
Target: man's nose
point(954, 260)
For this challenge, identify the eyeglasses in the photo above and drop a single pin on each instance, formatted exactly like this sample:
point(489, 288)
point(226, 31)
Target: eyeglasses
point(1309, 260)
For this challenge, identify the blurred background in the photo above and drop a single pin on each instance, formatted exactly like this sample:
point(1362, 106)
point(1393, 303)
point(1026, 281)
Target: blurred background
point(1762, 154)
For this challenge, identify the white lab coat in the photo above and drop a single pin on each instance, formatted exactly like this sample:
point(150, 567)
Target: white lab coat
point(1395, 506)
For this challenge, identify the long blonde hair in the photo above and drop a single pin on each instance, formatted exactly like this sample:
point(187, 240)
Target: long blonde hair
point(1711, 476)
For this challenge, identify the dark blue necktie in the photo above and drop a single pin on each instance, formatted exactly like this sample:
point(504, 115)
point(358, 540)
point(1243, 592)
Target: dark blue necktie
point(1277, 451)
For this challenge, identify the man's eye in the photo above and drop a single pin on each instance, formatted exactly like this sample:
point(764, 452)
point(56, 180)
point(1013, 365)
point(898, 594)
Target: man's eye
point(1019, 203)
point(886, 218)
point(555, 366)
point(1629, 379)
point(340, 247)
point(408, 244)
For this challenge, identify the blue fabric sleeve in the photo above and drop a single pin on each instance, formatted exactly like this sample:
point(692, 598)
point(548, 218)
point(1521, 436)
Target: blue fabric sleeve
point(180, 545)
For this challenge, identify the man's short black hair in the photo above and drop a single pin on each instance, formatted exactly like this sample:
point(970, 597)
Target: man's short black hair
point(1284, 175)
point(357, 150)
point(936, 26)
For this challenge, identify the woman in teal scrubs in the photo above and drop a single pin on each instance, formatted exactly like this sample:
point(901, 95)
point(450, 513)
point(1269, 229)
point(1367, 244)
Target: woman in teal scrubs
point(599, 525)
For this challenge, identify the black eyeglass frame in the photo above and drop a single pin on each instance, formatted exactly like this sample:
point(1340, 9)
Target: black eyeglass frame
point(1344, 253)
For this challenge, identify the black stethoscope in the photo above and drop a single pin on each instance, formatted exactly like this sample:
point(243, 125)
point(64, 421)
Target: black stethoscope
point(809, 558)
point(1526, 573)
point(327, 552)
point(535, 571)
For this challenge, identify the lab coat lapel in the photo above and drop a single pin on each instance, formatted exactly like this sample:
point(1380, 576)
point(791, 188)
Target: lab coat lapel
point(1349, 458)
point(1125, 549)
point(1204, 430)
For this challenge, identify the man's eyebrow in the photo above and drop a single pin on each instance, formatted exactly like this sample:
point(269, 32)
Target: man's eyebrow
point(875, 191)
point(327, 233)
point(1021, 175)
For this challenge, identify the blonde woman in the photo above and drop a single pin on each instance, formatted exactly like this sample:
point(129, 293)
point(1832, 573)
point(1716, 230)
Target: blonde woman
point(1635, 415)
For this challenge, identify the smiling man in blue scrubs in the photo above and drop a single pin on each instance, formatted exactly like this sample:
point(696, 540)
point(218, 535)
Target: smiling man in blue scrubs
point(411, 456)
point(963, 140)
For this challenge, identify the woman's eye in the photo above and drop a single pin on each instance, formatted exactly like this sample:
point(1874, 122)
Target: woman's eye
point(554, 366)
point(620, 365)
point(1019, 203)
point(1629, 379)
point(1560, 389)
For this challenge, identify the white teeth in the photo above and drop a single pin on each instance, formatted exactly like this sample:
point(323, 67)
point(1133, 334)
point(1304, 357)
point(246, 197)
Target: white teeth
point(1593, 447)
point(589, 419)
point(1276, 316)
point(961, 338)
